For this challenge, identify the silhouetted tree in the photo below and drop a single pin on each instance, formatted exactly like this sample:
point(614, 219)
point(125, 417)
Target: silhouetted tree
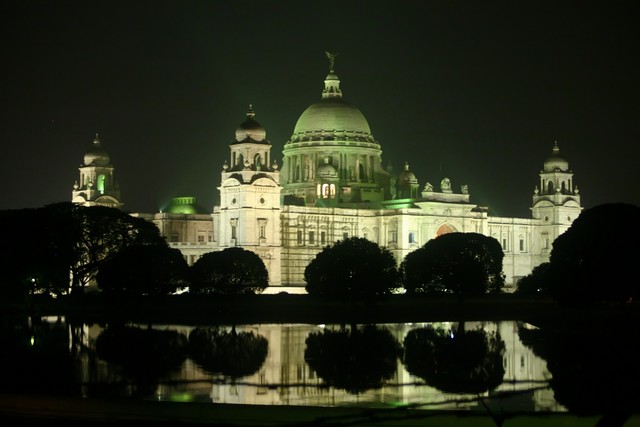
point(593, 260)
point(354, 267)
point(232, 271)
point(228, 353)
point(104, 231)
point(464, 264)
point(354, 360)
point(144, 270)
point(64, 240)
point(34, 264)
point(537, 282)
point(455, 361)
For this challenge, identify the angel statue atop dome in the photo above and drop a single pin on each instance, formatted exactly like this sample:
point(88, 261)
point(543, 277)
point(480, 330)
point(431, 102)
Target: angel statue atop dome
point(332, 59)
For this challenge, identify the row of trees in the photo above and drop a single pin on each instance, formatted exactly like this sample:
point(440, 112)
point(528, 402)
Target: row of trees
point(462, 264)
point(60, 248)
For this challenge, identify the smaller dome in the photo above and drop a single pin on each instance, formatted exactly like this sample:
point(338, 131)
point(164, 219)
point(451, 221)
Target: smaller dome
point(250, 130)
point(406, 176)
point(555, 162)
point(327, 170)
point(184, 205)
point(96, 156)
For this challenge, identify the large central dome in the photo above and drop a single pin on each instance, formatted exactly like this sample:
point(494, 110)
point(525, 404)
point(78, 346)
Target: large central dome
point(332, 118)
point(332, 159)
point(331, 115)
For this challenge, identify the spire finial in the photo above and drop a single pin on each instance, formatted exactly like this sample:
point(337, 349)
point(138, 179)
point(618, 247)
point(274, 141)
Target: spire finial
point(250, 113)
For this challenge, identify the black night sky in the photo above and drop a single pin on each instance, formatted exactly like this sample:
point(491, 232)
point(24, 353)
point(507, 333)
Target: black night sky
point(477, 91)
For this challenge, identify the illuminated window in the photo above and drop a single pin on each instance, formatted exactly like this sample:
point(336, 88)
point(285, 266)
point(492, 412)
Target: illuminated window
point(101, 183)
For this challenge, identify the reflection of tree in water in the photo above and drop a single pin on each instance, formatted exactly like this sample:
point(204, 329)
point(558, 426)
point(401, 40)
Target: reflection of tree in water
point(464, 362)
point(594, 365)
point(145, 355)
point(228, 353)
point(36, 358)
point(354, 360)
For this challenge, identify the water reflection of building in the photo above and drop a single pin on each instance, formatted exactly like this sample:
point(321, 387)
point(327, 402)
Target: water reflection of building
point(285, 378)
point(332, 185)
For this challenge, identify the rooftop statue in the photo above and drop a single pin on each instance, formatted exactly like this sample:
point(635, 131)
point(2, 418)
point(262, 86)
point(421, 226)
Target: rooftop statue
point(332, 59)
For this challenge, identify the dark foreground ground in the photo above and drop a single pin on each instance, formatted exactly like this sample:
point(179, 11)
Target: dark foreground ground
point(200, 310)
point(45, 410)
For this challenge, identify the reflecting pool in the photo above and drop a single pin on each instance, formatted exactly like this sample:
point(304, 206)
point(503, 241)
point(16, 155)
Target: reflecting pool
point(441, 366)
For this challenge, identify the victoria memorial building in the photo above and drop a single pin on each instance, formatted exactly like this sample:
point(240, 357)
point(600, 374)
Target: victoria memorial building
point(331, 185)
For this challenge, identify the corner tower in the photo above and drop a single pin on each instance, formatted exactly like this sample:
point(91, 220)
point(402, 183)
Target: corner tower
point(97, 184)
point(556, 199)
point(332, 157)
point(249, 211)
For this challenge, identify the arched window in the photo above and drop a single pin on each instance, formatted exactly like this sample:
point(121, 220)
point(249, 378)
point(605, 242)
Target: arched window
point(325, 191)
point(445, 229)
point(101, 183)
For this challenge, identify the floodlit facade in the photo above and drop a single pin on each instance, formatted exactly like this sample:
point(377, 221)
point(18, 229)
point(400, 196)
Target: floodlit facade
point(332, 185)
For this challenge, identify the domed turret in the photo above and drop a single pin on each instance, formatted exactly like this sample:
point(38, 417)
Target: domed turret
point(96, 156)
point(406, 176)
point(97, 185)
point(184, 205)
point(406, 184)
point(555, 162)
point(250, 130)
point(327, 171)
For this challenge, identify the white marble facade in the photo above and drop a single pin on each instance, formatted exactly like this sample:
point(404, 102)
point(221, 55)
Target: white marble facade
point(332, 185)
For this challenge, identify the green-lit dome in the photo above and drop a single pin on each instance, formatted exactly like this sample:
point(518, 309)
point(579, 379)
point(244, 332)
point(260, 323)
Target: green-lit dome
point(184, 205)
point(332, 118)
point(332, 114)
